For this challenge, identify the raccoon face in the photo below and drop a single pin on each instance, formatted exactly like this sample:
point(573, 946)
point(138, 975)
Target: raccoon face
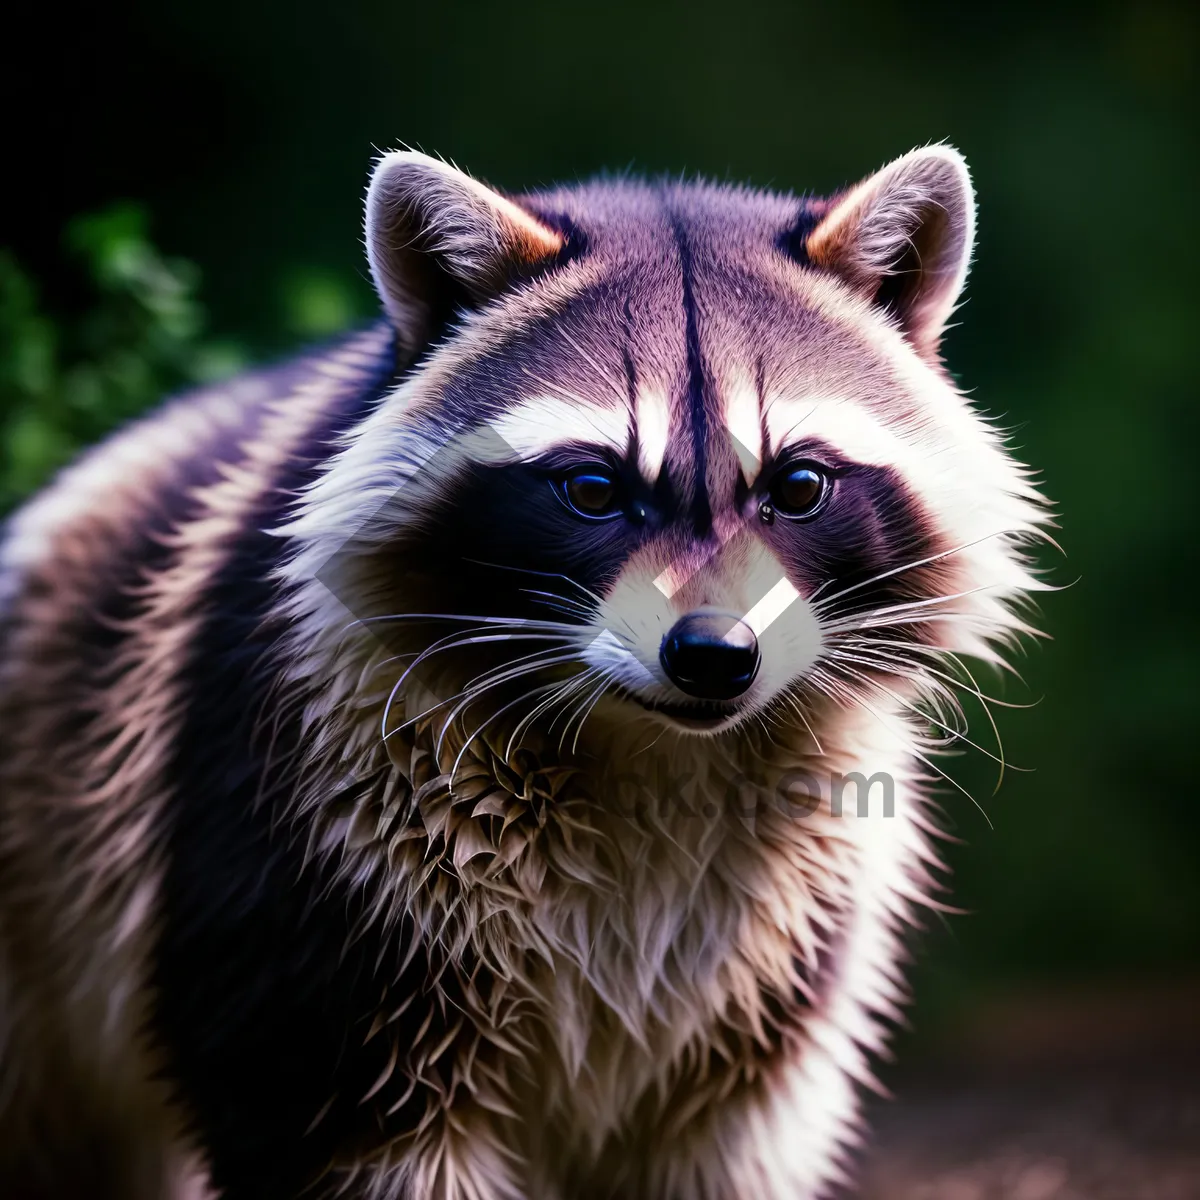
point(677, 449)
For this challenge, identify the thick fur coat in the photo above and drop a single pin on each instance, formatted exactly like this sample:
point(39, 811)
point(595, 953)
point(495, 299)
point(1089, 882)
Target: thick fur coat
point(360, 836)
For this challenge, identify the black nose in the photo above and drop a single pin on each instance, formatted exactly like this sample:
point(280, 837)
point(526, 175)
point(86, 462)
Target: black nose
point(711, 656)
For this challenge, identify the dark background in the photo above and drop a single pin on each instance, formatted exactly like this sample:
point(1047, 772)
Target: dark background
point(243, 133)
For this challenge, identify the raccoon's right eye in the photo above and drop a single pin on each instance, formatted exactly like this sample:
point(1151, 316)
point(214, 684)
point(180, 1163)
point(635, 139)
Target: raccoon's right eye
point(592, 492)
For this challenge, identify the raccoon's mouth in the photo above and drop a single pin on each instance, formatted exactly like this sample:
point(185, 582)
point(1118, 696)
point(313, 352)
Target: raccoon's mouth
point(693, 714)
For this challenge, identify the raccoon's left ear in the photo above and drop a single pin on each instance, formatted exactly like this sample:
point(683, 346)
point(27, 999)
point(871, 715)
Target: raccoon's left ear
point(903, 238)
point(437, 238)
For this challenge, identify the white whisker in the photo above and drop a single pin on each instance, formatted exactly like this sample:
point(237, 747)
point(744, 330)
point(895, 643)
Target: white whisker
point(591, 595)
point(954, 733)
point(479, 618)
point(795, 703)
point(933, 766)
point(563, 695)
point(528, 663)
point(877, 648)
point(453, 641)
point(593, 701)
point(483, 725)
point(495, 681)
point(909, 566)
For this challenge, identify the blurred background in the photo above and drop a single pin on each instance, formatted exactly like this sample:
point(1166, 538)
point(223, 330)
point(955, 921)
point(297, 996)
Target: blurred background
point(184, 197)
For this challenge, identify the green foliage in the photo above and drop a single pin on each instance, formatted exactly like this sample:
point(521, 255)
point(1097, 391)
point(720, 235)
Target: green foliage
point(65, 383)
point(316, 303)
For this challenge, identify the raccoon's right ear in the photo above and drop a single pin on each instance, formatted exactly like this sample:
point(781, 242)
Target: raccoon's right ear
point(903, 239)
point(437, 239)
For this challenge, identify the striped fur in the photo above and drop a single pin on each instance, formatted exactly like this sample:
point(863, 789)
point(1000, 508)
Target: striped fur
point(305, 892)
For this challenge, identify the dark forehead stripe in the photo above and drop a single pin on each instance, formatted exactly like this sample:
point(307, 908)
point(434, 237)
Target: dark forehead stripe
point(630, 367)
point(697, 384)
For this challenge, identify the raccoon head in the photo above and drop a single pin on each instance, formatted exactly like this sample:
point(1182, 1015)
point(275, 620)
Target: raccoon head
point(675, 448)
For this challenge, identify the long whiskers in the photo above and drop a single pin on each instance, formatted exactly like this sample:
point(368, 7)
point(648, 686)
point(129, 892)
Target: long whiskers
point(834, 690)
point(485, 681)
point(797, 707)
point(458, 639)
point(851, 643)
point(497, 679)
point(940, 654)
point(563, 604)
point(563, 695)
point(584, 711)
point(887, 656)
point(584, 590)
point(908, 566)
point(488, 720)
point(953, 732)
point(577, 603)
point(864, 619)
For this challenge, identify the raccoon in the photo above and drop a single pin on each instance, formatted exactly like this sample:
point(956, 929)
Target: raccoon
point(425, 764)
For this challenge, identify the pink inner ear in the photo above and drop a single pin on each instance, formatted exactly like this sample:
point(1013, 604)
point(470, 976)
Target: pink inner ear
point(531, 240)
point(902, 238)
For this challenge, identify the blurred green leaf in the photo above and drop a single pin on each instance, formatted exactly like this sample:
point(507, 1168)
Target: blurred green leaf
point(65, 383)
point(317, 303)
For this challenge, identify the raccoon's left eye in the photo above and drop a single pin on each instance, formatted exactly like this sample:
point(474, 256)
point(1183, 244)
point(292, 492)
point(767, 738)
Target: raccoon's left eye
point(799, 490)
point(592, 492)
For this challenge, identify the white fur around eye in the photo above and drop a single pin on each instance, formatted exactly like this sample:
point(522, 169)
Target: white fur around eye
point(652, 412)
point(744, 422)
point(839, 422)
point(539, 424)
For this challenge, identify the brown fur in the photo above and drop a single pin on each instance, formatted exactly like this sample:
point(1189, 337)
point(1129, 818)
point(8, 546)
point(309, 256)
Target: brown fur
point(675, 999)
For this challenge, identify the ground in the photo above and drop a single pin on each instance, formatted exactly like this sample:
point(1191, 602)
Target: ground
point(1065, 1097)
